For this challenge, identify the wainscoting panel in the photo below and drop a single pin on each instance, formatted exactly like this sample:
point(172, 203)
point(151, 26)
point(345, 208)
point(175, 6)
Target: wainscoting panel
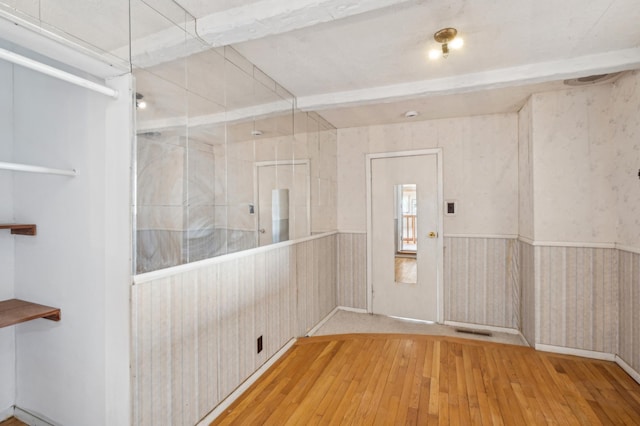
point(194, 332)
point(527, 292)
point(577, 297)
point(481, 281)
point(629, 326)
point(352, 270)
point(316, 282)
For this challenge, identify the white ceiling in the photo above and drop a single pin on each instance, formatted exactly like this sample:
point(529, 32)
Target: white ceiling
point(361, 62)
point(377, 61)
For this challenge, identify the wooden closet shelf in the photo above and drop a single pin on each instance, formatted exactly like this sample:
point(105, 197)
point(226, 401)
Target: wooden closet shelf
point(19, 228)
point(15, 311)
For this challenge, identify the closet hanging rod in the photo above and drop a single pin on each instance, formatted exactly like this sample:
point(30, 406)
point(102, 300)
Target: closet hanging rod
point(36, 169)
point(54, 72)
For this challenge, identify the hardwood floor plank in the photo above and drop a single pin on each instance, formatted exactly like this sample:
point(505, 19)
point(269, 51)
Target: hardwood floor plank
point(429, 380)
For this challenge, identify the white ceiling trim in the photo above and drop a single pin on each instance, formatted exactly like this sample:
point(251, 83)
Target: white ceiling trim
point(269, 17)
point(601, 63)
point(229, 117)
point(245, 23)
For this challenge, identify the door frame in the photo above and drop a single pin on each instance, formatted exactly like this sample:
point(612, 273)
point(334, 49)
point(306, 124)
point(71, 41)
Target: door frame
point(440, 240)
point(256, 189)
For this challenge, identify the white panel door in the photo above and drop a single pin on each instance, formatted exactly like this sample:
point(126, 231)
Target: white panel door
point(417, 300)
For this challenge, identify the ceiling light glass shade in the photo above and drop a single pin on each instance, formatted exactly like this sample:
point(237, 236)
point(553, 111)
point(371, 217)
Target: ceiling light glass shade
point(435, 53)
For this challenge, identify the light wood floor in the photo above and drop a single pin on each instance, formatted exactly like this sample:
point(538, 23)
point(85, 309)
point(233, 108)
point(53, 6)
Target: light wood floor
point(424, 380)
point(12, 422)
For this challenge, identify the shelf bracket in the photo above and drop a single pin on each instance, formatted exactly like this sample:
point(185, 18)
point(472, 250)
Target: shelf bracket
point(19, 228)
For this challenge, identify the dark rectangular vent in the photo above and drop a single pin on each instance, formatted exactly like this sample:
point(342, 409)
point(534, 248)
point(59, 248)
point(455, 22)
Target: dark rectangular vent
point(472, 331)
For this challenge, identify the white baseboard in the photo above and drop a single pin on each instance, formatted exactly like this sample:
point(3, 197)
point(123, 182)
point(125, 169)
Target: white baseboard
point(32, 419)
point(483, 327)
point(322, 322)
point(628, 369)
point(331, 314)
point(605, 356)
point(350, 309)
point(6, 413)
point(220, 408)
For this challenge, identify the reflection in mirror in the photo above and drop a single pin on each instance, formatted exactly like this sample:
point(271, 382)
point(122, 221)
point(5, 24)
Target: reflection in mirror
point(215, 137)
point(280, 214)
point(406, 241)
point(271, 178)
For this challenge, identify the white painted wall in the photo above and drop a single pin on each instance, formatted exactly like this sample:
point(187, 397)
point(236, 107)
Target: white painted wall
point(7, 340)
point(480, 169)
point(73, 372)
point(625, 121)
point(573, 164)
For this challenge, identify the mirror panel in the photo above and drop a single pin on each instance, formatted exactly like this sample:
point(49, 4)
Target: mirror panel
point(406, 241)
point(215, 140)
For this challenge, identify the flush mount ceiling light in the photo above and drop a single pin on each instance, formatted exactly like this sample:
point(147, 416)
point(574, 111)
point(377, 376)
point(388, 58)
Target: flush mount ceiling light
point(411, 114)
point(256, 133)
point(447, 37)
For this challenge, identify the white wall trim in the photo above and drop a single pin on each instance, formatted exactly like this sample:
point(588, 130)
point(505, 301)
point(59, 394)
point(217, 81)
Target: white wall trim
point(220, 408)
point(483, 327)
point(526, 240)
point(350, 309)
point(605, 356)
point(618, 246)
point(628, 369)
point(180, 269)
point(31, 419)
point(352, 232)
point(573, 244)
point(323, 321)
point(628, 248)
point(315, 328)
point(579, 244)
point(440, 267)
point(495, 236)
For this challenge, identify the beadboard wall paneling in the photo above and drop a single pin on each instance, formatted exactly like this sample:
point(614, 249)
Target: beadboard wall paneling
point(577, 297)
point(481, 281)
point(629, 325)
point(527, 292)
point(316, 278)
point(194, 333)
point(352, 270)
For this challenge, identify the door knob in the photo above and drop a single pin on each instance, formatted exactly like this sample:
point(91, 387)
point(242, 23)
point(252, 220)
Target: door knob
point(433, 234)
point(262, 230)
